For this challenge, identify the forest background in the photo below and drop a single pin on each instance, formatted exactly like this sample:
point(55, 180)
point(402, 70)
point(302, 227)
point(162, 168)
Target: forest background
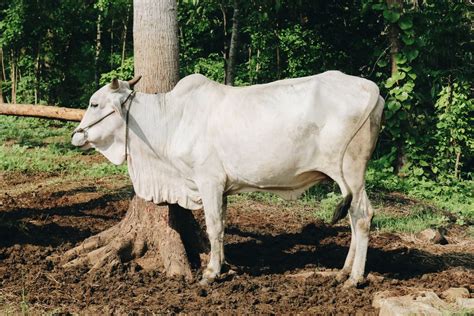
point(418, 52)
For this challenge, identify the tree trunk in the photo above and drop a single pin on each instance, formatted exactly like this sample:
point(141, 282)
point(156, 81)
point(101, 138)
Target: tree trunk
point(394, 39)
point(43, 111)
point(98, 48)
point(154, 236)
point(155, 41)
point(3, 64)
point(394, 36)
point(37, 73)
point(234, 41)
point(1, 92)
point(13, 76)
point(124, 36)
point(2, 75)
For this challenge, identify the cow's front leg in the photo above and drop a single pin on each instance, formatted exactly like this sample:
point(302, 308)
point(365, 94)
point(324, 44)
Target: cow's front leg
point(212, 199)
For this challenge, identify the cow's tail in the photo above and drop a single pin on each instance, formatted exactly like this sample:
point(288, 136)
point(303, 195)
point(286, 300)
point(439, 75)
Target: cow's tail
point(343, 207)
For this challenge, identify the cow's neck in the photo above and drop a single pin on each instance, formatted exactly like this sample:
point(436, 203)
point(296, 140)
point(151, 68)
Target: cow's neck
point(153, 121)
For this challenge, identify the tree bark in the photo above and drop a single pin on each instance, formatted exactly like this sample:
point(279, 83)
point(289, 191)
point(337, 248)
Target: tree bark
point(3, 64)
point(394, 39)
point(234, 41)
point(155, 41)
point(1, 92)
point(163, 237)
point(98, 48)
point(124, 35)
point(42, 111)
point(37, 73)
point(13, 76)
point(2, 75)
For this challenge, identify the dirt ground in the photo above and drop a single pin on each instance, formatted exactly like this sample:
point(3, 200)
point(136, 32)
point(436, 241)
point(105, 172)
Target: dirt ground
point(42, 216)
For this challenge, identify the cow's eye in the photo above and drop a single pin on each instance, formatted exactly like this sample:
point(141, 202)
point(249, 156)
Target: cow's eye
point(94, 105)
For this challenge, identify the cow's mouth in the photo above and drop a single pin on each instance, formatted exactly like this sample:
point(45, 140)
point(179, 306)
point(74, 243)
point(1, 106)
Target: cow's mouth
point(79, 140)
point(86, 146)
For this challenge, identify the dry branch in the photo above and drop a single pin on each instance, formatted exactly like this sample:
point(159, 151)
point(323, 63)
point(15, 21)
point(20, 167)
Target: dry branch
point(43, 111)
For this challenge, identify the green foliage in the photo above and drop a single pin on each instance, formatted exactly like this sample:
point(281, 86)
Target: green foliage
point(123, 72)
point(454, 129)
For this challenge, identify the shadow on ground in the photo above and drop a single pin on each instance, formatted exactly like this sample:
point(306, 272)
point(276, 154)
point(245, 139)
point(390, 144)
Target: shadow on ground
point(326, 247)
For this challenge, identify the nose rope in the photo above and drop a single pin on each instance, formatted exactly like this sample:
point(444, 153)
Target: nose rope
point(132, 96)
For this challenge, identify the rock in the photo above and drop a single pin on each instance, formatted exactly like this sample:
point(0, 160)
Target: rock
point(380, 296)
point(302, 276)
point(465, 303)
point(419, 303)
point(375, 278)
point(452, 294)
point(434, 236)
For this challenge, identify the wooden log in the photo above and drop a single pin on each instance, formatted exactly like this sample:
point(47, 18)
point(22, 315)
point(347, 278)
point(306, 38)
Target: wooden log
point(43, 111)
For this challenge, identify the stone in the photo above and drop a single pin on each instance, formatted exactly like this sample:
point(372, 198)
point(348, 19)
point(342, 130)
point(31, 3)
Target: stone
point(375, 278)
point(434, 236)
point(418, 303)
point(452, 294)
point(466, 303)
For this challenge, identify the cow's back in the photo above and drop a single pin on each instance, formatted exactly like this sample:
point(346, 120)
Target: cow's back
point(267, 134)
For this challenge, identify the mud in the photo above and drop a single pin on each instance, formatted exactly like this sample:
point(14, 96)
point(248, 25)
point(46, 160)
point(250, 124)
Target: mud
point(266, 246)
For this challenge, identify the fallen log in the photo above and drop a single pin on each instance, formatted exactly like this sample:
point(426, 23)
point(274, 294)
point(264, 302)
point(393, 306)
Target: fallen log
point(42, 111)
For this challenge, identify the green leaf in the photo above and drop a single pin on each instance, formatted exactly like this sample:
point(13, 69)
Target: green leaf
point(423, 163)
point(418, 171)
point(412, 54)
point(391, 16)
point(399, 75)
point(400, 59)
point(378, 6)
point(405, 22)
point(408, 40)
point(394, 105)
point(402, 96)
point(382, 62)
point(390, 82)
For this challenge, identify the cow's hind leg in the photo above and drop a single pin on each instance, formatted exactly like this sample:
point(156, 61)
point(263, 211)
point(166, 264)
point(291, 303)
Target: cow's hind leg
point(361, 214)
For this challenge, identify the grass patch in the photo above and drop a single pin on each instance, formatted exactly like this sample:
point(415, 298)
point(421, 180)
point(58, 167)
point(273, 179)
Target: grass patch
point(33, 145)
point(420, 218)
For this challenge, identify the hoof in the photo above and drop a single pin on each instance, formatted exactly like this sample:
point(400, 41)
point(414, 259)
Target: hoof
point(208, 277)
point(205, 282)
point(342, 276)
point(352, 283)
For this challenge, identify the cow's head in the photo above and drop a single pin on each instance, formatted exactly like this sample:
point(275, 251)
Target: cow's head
point(103, 124)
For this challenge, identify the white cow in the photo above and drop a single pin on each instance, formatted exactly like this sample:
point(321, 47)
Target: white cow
point(204, 140)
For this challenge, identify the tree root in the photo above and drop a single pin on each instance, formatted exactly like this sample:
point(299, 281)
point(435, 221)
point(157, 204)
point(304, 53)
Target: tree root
point(155, 237)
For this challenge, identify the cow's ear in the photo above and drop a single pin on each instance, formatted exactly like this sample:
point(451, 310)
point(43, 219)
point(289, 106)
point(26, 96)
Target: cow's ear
point(114, 85)
point(117, 103)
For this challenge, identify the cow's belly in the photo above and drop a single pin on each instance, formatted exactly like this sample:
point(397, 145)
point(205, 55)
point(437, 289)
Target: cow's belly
point(289, 188)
